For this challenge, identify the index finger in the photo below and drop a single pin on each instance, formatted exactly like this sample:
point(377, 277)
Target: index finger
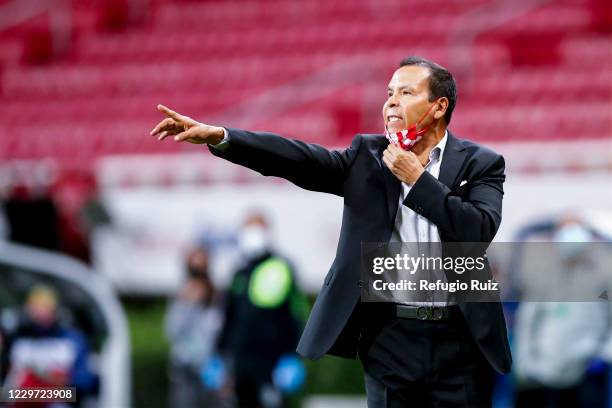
point(161, 125)
point(170, 113)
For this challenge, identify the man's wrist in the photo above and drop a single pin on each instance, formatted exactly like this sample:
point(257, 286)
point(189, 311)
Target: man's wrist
point(219, 136)
point(417, 177)
point(223, 140)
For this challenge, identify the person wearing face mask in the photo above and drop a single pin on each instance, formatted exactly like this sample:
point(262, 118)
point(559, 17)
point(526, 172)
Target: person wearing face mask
point(564, 349)
point(264, 310)
point(415, 182)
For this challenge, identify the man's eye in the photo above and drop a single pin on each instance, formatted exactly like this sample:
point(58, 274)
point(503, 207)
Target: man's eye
point(407, 93)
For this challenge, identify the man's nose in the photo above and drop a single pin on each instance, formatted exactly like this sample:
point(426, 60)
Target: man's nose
point(392, 101)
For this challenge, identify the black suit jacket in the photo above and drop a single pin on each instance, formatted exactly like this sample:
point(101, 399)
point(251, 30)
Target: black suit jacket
point(468, 213)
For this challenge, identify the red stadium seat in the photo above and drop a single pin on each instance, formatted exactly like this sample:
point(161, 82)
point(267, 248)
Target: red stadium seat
point(543, 74)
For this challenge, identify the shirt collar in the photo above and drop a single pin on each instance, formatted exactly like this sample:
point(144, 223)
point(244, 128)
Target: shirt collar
point(438, 150)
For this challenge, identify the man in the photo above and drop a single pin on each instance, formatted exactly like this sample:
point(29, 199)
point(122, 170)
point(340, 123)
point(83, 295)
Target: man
point(426, 185)
point(263, 316)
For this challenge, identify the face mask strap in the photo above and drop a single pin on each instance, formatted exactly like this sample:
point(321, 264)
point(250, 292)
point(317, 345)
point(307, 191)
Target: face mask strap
point(424, 115)
point(408, 138)
point(413, 133)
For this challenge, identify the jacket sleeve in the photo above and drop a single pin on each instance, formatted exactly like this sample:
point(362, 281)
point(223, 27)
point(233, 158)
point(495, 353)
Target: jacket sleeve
point(309, 166)
point(472, 218)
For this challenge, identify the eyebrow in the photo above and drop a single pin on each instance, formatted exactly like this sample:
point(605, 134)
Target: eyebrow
point(402, 87)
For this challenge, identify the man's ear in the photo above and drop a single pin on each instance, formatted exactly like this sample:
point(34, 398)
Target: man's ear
point(442, 106)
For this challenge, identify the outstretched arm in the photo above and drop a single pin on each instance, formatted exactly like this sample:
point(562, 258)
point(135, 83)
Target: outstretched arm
point(309, 166)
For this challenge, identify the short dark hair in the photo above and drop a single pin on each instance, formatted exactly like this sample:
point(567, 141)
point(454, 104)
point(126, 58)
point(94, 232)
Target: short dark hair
point(441, 82)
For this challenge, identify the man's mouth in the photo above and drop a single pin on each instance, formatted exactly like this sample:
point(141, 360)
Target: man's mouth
point(393, 118)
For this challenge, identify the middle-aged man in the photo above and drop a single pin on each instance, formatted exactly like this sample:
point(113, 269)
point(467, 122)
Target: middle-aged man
point(418, 184)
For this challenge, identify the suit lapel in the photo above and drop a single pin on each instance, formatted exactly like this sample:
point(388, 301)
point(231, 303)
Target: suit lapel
point(453, 158)
point(393, 188)
point(392, 184)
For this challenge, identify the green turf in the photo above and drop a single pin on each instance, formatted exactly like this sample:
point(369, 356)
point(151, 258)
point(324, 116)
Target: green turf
point(149, 352)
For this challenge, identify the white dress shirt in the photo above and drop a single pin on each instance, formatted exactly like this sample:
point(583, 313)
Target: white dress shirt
point(410, 226)
point(414, 228)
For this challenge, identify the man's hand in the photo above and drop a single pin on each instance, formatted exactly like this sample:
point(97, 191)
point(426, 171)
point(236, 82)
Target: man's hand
point(404, 164)
point(185, 129)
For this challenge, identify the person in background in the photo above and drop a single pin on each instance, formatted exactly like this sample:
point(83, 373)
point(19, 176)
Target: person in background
point(564, 349)
point(264, 312)
point(43, 352)
point(193, 321)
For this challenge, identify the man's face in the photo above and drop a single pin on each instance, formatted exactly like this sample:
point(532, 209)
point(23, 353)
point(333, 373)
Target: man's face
point(408, 100)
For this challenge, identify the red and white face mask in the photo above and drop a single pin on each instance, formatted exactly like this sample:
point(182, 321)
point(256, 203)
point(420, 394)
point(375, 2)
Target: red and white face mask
point(407, 138)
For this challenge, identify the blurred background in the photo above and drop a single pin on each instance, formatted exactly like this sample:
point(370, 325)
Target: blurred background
point(133, 255)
